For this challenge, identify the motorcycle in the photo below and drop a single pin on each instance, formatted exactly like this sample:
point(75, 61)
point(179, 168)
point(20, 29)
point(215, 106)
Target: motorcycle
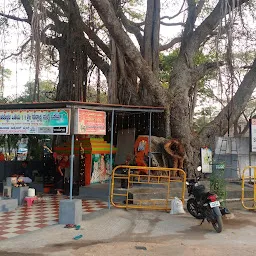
point(204, 205)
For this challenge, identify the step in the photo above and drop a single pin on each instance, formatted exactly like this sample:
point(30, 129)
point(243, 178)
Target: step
point(8, 205)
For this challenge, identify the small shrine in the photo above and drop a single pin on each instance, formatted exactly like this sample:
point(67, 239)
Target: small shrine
point(93, 165)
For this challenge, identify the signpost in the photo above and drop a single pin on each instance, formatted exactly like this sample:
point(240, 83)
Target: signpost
point(37, 121)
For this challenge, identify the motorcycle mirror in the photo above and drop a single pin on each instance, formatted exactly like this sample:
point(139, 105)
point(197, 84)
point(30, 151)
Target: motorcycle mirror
point(199, 168)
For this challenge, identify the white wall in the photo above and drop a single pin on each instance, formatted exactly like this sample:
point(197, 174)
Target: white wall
point(235, 148)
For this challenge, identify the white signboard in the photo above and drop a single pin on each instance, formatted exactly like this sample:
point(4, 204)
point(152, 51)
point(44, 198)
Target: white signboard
point(253, 135)
point(35, 121)
point(206, 160)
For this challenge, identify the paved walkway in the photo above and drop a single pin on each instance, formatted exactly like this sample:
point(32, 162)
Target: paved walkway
point(118, 232)
point(42, 214)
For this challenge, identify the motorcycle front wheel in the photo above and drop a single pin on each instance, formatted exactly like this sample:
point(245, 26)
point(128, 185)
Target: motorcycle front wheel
point(218, 224)
point(193, 209)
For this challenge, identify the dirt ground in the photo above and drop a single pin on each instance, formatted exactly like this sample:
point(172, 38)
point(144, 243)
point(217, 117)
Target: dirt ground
point(119, 232)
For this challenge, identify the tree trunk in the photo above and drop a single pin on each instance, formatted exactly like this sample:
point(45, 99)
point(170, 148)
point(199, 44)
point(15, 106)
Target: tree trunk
point(123, 81)
point(72, 68)
point(150, 50)
point(112, 81)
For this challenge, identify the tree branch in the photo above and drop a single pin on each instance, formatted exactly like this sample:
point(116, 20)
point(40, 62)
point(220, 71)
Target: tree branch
point(201, 70)
point(19, 52)
point(170, 44)
point(210, 23)
point(13, 17)
point(62, 4)
point(96, 59)
point(177, 14)
point(172, 24)
point(220, 123)
point(199, 7)
point(131, 27)
point(125, 44)
point(93, 36)
point(61, 26)
point(139, 24)
point(28, 8)
point(90, 33)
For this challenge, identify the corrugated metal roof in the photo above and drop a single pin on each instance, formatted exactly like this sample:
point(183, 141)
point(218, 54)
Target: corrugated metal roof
point(77, 104)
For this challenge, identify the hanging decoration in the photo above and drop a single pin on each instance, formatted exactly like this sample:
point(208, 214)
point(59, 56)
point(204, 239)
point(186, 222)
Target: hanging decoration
point(122, 123)
point(153, 121)
point(158, 124)
point(37, 26)
point(134, 121)
point(128, 123)
point(108, 122)
point(116, 129)
point(81, 166)
point(139, 124)
point(144, 121)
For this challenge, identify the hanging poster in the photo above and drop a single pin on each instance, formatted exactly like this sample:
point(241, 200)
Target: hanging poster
point(206, 160)
point(253, 134)
point(90, 122)
point(36, 121)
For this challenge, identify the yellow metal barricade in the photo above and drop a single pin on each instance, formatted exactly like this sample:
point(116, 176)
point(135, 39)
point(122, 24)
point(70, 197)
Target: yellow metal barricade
point(249, 196)
point(149, 188)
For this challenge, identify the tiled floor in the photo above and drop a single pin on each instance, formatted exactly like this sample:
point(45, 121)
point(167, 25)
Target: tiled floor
point(42, 214)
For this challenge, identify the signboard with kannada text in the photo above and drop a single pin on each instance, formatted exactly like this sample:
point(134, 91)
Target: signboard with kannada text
point(35, 121)
point(90, 122)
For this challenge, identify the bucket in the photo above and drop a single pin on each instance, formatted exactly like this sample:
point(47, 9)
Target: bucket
point(31, 192)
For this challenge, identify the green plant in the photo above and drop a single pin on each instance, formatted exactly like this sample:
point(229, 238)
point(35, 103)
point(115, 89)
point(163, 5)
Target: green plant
point(218, 184)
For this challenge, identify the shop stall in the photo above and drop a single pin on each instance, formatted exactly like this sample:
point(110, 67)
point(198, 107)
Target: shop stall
point(91, 136)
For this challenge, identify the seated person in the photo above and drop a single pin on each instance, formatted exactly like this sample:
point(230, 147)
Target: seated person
point(25, 174)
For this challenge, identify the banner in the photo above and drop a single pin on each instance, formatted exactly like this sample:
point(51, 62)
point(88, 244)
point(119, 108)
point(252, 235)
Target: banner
point(206, 160)
point(36, 121)
point(253, 135)
point(90, 122)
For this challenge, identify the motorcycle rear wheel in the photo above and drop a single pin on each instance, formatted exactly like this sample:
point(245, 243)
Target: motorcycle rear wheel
point(218, 225)
point(193, 209)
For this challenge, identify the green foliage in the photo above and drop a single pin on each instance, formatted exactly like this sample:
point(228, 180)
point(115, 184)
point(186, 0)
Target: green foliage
point(92, 95)
point(218, 185)
point(201, 58)
point(203, 117)
point(47, 92)
point(9, 142)
point(132, 8)
point(166, 63)
point(5, 74)
point(35, 146)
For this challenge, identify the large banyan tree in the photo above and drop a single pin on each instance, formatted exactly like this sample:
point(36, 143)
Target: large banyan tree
point(122, 39)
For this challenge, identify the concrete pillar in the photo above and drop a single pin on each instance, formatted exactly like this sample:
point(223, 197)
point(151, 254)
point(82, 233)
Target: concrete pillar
point(70, 211)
